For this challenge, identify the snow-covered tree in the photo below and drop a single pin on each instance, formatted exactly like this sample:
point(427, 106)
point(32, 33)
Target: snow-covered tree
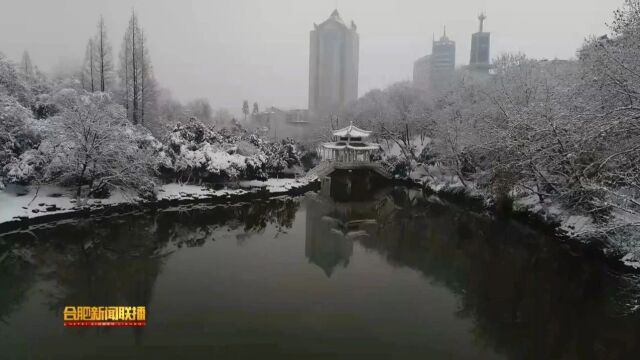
point(92, 146)
point(611, 75)
point(399, 114)
point(200, 109)
point(16, 138)
point(13, 84)
point(371, 111)
point(409, 115)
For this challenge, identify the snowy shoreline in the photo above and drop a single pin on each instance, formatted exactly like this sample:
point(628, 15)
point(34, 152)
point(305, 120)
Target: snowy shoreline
point(54, 203)
point(575, 227)
point(51, 203)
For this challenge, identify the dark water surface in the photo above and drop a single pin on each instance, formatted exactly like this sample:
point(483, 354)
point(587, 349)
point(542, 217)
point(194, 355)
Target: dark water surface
point(404, 276)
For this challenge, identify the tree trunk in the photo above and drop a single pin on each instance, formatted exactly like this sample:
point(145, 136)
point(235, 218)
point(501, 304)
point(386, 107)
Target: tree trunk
point(142, 76)
point(134, 70)
point(91, 64)
point(101, 57)
point(126, 81)
point(81, 179)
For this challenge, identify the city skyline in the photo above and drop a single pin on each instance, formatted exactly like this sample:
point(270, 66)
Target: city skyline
point(229, 51)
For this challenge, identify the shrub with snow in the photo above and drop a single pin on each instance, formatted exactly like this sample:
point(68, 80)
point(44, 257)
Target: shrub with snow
point(196, 152)
point(16, 136)
point(399, 167)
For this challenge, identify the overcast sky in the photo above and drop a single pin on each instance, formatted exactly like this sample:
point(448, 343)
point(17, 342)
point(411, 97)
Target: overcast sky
point(230, 50)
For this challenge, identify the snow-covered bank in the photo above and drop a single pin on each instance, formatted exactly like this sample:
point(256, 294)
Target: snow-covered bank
point(567, 223)
point(583, 228)
point(22, 205)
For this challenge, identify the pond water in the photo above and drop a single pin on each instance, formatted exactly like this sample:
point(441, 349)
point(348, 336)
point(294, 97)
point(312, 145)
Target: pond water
point(400, 276)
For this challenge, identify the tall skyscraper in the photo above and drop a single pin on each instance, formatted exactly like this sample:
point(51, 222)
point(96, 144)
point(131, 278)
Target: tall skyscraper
point(333, 65)
point(480, 48)
point(443, 60)
point(422, 72)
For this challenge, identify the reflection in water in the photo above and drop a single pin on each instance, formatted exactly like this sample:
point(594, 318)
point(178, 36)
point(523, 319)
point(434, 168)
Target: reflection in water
point(405, 275)
point(333, 226)
point(328, 242)
point(528, 297)
point(16, 277)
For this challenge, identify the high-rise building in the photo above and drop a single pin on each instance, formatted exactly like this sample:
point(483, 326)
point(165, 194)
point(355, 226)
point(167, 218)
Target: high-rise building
point(422, 72)
point(333, 66)
point(443, 60)
point(480, 48)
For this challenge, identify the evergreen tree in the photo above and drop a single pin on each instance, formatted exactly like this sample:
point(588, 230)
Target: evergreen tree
point(245, 109)
point(103, 57)
point(89, 79)
point(26, 66)
point(256, 110)
point(136, 73)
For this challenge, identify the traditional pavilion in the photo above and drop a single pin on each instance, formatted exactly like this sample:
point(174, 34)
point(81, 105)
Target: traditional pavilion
point(348, 145)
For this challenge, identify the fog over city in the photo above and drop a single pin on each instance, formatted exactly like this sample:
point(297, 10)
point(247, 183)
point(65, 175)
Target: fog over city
point(229, 50)
point(268, 179)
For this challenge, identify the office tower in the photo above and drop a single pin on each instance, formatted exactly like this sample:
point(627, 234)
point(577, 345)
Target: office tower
point(333, 66)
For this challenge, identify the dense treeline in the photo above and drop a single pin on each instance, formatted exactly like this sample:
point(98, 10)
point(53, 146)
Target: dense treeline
point(95, 131)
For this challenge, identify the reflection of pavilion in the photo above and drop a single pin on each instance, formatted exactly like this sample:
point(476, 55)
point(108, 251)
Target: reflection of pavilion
point(332, 227)
point(331, 249)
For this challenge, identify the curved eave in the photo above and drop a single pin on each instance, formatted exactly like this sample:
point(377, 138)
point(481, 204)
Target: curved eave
point(368, 146)
point(352, 131)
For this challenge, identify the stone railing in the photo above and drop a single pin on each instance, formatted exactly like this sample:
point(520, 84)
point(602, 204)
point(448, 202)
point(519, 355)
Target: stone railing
point(327, 167)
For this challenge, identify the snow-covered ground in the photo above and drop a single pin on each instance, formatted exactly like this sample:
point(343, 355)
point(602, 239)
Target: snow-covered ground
point(31, 202)
point(276, 185)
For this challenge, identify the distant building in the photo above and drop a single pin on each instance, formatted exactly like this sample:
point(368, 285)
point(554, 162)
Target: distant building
point(480, 49)
point(435, 71)
point(333, 66)
point(443, 61)
point(276, 124)
point(422, 72)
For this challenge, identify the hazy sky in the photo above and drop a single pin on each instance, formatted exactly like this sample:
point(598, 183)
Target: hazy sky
point(230, 50)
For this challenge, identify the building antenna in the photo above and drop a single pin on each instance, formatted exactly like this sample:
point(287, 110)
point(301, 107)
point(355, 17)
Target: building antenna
point(482, 18)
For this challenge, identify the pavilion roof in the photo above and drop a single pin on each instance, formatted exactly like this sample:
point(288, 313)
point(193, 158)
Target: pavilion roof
point(342, 146)
point(352, 131)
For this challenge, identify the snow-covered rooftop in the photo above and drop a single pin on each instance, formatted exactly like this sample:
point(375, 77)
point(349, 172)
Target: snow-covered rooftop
point(352, 131)
point(339, 146)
